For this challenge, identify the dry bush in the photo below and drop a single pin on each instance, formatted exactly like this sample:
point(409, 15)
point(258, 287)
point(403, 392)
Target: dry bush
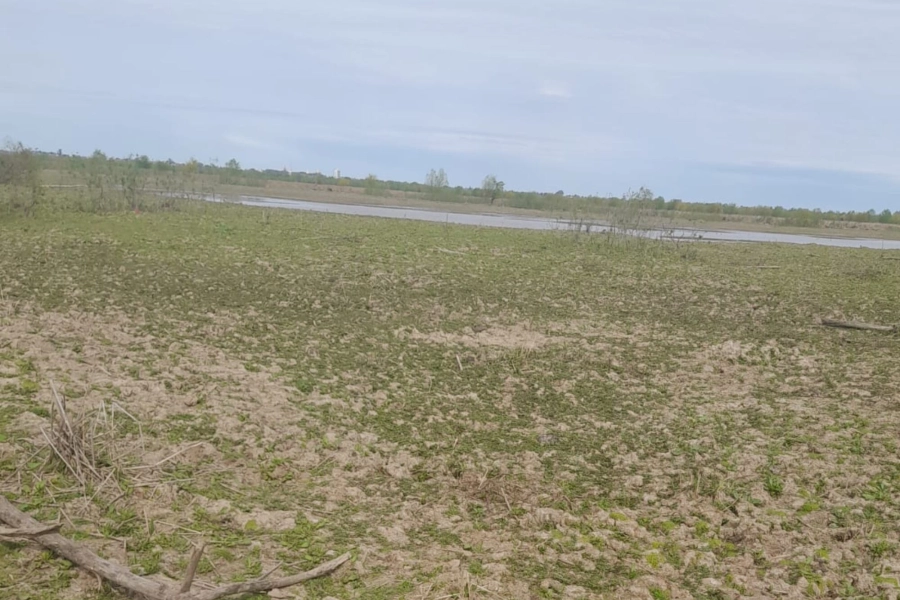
point(20, 179)
point(493, 490)
point(87, 445)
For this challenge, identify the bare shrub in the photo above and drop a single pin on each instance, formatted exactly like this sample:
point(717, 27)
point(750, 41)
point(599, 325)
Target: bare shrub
point(20, 180)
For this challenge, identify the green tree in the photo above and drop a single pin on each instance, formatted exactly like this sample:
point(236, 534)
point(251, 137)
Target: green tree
point(20, 178)
point(373, 187)
point(436, 184)
point(192, 167)
point(437, 180)
point(232, 174)
point(98, 173)
point(642, 197)
point(492, 188)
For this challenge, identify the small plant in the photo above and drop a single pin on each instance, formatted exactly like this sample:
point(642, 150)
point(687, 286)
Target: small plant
point(29, 387)
point(476, 568)
point(808, 507)
point(303, 385)
point(881, 548)
point(774, 485)
point(659, 594)
point(878, 491)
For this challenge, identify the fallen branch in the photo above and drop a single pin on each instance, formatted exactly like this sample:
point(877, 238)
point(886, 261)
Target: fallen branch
point(196, 555)
point(149, 588)
point(28, 533)
point(166, 459)
point(857, 325)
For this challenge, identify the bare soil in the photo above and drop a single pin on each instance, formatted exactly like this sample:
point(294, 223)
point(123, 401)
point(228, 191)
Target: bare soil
point(538, 417)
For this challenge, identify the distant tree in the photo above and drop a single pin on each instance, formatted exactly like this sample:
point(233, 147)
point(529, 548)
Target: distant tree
point(20, 172)
point(437, 180)
point(232, 174)
point(492, 188)
point(372, 186)
point(886, 216)
point(437, 186)
point(142, 162)
point(98, 172)
point(644, 196)
point(192, 166)
point(560, 193)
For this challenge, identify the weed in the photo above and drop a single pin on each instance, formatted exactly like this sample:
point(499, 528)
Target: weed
point(773, 485)
point(659, 594)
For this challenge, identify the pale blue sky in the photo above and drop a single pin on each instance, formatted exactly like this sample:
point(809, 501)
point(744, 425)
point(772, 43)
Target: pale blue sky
point(790, 102)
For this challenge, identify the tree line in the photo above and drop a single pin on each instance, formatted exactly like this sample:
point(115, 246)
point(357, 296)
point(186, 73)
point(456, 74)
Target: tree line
point(19, 167)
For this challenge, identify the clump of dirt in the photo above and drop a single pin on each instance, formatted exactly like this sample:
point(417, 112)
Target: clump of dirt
point(513, 337)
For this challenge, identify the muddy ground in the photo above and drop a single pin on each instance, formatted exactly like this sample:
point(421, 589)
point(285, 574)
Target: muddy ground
point(529, 415)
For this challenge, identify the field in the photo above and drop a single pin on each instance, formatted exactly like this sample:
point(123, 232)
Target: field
point(472, 413)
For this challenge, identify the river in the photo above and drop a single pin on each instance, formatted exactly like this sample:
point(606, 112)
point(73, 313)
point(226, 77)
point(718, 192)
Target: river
point(517, 222)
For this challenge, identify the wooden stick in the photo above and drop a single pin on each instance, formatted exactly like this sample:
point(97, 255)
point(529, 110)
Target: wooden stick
point(857, 325)
point(166, 459)
point(196, 555)
point(28, 533)
point(264, 585)
point(83, 557)
point(151, 589)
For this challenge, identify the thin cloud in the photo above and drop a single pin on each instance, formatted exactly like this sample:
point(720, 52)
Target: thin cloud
point(592, 92)
point(244, 141)
point(555, 90)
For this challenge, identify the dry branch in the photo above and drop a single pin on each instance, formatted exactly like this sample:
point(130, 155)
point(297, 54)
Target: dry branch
point(151, 589)
point(857, 325)
point(28, 533)
point(196, 555)
point(72, 442)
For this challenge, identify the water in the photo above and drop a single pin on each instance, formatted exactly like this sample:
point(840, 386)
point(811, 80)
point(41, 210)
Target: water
point(515, 222)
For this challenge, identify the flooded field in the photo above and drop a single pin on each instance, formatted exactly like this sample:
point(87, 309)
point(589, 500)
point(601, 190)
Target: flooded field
point(516, 222)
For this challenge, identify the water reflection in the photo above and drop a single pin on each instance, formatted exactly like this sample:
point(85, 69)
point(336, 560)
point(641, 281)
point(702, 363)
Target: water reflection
point(515, 222)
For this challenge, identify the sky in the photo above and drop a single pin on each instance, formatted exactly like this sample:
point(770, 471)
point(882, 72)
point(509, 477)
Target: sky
point(773, 102)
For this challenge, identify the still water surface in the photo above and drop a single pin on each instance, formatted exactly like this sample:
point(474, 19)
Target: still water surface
point(516, 222)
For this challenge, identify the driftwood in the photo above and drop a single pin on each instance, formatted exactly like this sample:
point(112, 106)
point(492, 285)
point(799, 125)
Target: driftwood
point(857, 325)
point(28, 533)
point(24, 526)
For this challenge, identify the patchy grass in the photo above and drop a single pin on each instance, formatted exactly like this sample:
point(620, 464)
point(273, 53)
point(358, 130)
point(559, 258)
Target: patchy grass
point(529, 415)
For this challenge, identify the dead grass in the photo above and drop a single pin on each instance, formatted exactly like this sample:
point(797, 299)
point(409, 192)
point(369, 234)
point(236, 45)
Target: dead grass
point(543, 416)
